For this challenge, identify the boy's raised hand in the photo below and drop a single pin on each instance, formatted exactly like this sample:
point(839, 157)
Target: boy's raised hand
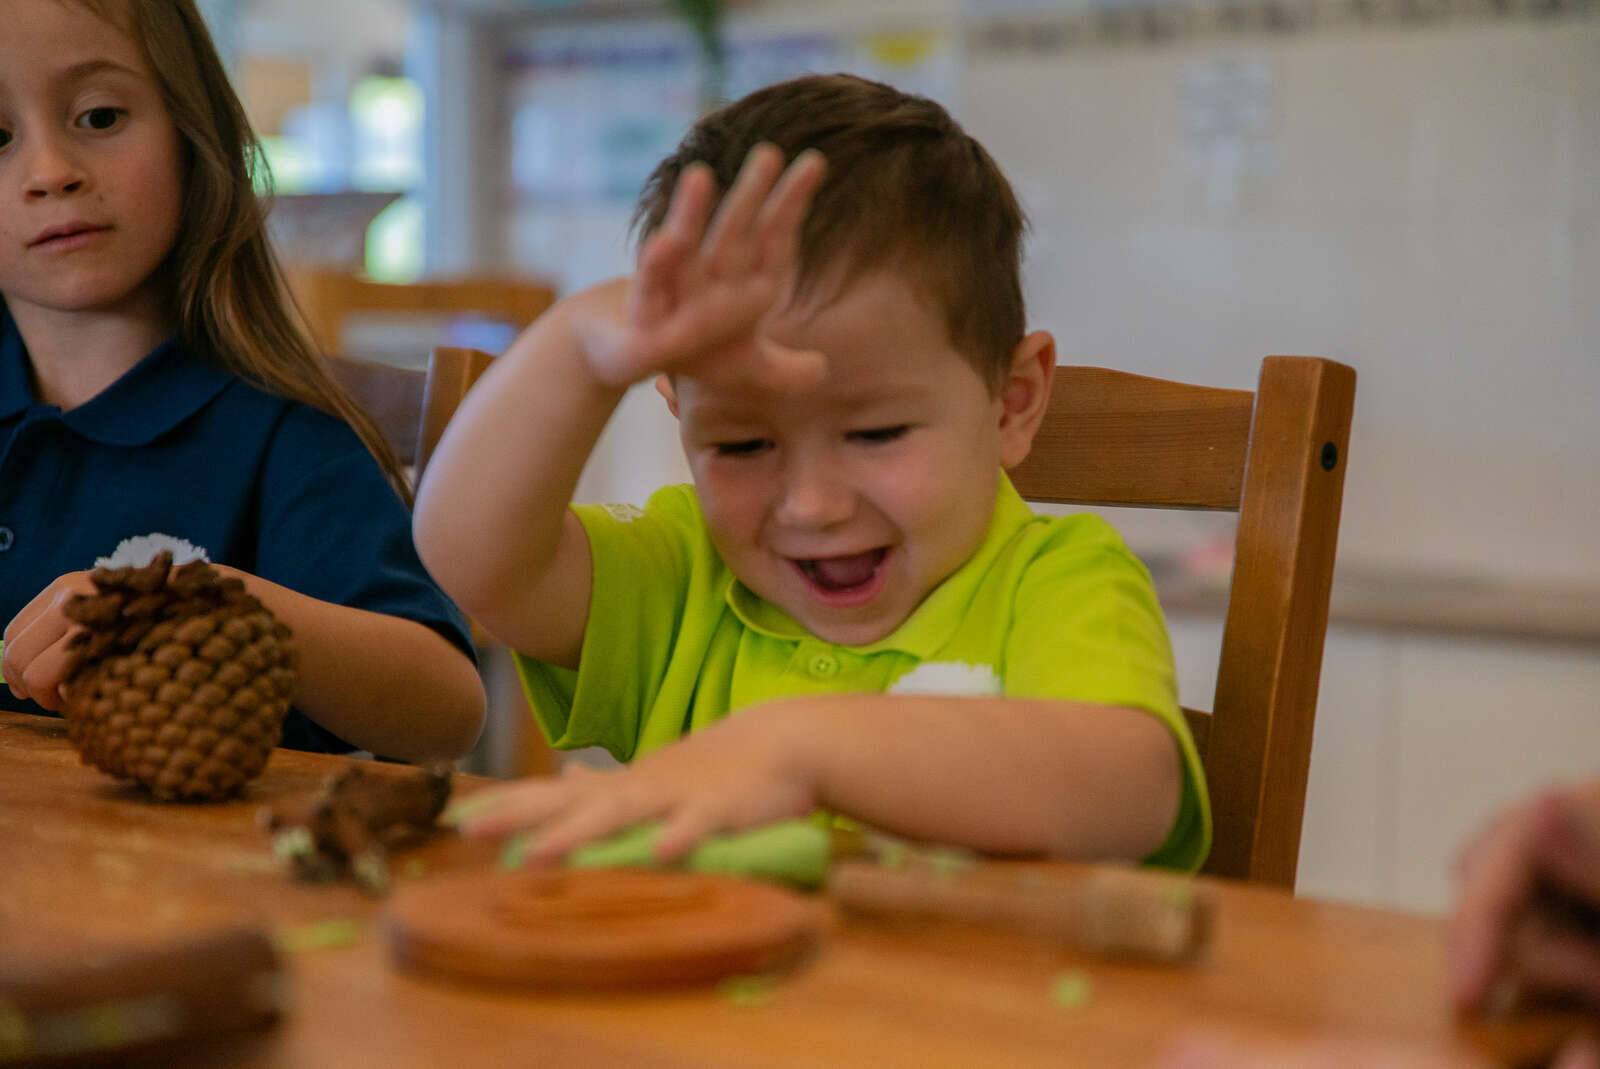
point(704, 284)
point(36, 656)
point(738, 774)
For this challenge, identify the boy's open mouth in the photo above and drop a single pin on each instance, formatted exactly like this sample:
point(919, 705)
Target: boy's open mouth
point(845, 580)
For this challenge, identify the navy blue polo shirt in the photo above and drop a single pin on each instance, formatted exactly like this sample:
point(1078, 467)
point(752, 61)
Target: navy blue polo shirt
point(180, 446)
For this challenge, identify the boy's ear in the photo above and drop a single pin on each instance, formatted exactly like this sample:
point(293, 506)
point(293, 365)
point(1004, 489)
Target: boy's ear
point(668, 394)
point(1025, 395)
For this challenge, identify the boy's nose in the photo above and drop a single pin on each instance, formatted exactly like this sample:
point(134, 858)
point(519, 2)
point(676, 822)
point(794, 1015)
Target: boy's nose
point(813, 494)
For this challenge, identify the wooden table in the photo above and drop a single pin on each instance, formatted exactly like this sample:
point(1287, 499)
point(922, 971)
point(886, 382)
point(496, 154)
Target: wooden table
point(85, 861)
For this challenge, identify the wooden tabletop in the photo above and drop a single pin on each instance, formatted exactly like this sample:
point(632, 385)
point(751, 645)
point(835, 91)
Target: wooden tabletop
point(85, 862)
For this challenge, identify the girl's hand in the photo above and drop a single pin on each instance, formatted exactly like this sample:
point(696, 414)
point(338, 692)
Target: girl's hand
point(700, 292)
point(739, 774)
point(36, 656)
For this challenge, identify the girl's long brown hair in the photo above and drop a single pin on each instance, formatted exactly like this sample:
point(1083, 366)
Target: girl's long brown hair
point(228, 291)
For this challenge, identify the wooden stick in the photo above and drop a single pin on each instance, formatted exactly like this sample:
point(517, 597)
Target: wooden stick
point(1110, 911)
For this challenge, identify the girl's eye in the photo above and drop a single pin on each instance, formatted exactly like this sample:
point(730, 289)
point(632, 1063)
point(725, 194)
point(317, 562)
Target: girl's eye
point(5, 138)
point(880, 435)
point(748, 448)
point(100, 118)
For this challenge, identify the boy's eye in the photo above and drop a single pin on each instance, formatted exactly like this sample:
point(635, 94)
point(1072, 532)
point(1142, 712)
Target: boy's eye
point(747, 448)
point(5, 138)
point(100, 118)
point(879, 435)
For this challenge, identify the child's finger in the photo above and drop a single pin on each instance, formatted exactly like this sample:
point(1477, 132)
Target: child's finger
point(1553, 957)
point(684, 830)
point(26, 646)
point(1497, 885)
point(778, 228)
point(793, 370)
point(600, 816)
point(674, 243)
point(729, 250)
point(1569, 847)
point(690, 209)
point(43, 676)
point(40, 603)
point(501, 811)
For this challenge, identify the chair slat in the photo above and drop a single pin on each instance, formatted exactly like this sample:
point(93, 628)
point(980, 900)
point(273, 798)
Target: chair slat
point(392, 396)
point(1200, 727)
point(1114, 438)
point(451, 373)
point(1267, 680)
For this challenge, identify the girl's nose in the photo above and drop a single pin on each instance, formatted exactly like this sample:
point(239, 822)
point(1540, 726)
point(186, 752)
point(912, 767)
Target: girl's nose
point(814, 493)
point(52, 171)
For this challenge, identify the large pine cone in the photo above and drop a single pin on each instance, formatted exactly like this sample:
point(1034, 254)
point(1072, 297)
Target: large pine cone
point(183, 679)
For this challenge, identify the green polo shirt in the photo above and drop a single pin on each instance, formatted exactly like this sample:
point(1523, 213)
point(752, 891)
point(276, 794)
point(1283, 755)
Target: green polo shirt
point(1047, 607)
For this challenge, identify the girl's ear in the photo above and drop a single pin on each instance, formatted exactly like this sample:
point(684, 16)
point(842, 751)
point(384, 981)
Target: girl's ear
point(668, 393)
point(1025, 395)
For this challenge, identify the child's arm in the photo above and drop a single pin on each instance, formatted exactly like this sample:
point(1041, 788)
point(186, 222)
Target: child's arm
point(491, 521)
point(387, 684)
point(1004, 775)
point(384, 683)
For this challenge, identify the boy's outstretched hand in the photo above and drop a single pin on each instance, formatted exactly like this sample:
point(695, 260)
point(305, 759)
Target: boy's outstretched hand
point(37, 659)
point(703, 285)
point(736, 775)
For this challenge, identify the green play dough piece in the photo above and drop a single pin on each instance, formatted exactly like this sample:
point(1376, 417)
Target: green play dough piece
point(748, 991)
point(319, 935)
point(1071, 990)
point(793, 852)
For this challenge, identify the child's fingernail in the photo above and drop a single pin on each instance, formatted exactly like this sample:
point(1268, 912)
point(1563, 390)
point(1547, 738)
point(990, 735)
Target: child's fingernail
point(467, 808)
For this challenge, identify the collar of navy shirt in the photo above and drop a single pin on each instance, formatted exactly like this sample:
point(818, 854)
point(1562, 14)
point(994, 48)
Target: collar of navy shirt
point(163, 389)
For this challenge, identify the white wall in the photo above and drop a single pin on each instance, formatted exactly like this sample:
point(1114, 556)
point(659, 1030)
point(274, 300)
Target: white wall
point(1427, 208)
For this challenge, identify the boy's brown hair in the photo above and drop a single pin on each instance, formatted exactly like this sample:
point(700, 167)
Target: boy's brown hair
point(907, 190)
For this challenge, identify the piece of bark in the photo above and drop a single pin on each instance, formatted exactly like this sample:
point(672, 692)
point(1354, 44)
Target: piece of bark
point(353, 821)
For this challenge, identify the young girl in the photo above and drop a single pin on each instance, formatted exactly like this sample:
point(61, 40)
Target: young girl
point(152, 381)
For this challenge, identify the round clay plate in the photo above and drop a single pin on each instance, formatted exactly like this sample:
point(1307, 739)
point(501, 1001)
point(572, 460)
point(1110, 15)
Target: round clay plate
point(595, 928)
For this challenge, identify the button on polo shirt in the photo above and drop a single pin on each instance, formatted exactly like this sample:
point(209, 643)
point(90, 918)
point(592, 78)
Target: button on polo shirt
point(820, 663)
point(179, 446)
point(1046, 607)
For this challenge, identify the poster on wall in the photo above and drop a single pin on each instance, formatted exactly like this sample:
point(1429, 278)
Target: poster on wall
point(592, 109)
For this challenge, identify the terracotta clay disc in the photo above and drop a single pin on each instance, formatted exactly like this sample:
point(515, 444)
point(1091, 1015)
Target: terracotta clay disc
point(597, 928)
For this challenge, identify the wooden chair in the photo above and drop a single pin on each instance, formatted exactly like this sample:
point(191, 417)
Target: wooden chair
point(412, 409)
point(1277, 457)
point(327, 298)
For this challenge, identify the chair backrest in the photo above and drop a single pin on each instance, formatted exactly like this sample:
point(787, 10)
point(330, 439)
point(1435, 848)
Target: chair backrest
point(327, 298)
point(410, 407)
point(1277, 457)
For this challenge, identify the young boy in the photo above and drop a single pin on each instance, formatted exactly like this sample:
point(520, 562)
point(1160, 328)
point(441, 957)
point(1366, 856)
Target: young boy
point(902, 640)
